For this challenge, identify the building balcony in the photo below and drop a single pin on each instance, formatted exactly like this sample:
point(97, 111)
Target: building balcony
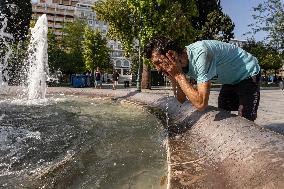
point(49, 12)
point(58, 33)
point(58, 19)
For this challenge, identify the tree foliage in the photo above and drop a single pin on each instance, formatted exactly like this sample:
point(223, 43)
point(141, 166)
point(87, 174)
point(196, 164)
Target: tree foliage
point(130, 20)
point(95, 50)
point(18, 13)
point(56, 56)
point(133, 19)
point(269, 57)
point(218, 26)
point(269, 18)
point(204, 8)
point(211, 22)
point(72, 46)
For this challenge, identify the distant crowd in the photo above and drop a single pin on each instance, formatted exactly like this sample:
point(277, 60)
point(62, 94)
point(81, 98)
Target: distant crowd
point(99, 77)
point(271, 79)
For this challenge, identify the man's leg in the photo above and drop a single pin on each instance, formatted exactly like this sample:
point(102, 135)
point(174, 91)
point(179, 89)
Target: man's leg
point(114, 85)
point(249, 96)
point(228, 98)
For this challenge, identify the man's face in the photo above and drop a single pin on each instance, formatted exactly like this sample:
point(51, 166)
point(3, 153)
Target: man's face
point(156, 59)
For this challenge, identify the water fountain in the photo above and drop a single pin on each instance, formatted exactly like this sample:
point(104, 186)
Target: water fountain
point(38, 60)
point(72, 142)
point(5, 52)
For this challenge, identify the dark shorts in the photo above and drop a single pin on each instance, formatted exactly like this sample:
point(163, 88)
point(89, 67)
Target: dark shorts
point(98, 82)
point(242, 97)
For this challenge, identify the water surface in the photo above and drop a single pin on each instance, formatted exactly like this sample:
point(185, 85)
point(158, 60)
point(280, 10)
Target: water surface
point(76, 142)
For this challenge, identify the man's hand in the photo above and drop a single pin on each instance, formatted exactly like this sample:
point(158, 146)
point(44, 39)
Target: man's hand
point(169, 65)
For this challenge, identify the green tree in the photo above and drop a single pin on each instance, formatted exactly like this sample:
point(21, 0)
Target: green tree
point(218, 26)
point(95, 50)
point(274, 59)
point(56, 55)
point(18, 13)
point(269, 18)
point(180, 20)
point(72, 39)
point(259, 50)
point(211, 22)
point(269, 58)
point(130, 20)
point(204, 8)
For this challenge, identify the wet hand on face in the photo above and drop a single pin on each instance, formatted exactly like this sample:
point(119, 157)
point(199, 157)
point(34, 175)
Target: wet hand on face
point(167, 64)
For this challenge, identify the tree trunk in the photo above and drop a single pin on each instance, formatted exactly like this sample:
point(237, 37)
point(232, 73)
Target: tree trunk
point(146, 77)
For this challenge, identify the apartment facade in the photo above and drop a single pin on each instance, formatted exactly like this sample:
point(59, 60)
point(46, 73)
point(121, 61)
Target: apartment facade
point(122, 64)
point(238, 43)
point(58, 12)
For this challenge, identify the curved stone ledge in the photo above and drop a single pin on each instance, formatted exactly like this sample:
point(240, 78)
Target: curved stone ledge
point(210, 149)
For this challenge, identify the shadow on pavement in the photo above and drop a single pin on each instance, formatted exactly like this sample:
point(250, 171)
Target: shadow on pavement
point(276, 127)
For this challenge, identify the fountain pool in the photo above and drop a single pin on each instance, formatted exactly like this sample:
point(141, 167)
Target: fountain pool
point(72, 142)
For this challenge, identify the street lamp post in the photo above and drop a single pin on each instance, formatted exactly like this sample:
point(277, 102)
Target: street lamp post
point(138, 81)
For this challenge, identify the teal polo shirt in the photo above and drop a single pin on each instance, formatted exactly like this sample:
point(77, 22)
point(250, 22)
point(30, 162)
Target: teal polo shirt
point(220, 62)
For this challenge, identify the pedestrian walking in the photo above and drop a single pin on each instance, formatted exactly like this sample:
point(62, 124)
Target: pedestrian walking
point(115, 76)
point(98, 76)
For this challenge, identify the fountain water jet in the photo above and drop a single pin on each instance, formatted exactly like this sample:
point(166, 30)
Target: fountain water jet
point(38, 60)
point(5, 52)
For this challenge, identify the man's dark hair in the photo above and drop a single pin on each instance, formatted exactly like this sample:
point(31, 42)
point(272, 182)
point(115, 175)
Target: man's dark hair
point(161, 45)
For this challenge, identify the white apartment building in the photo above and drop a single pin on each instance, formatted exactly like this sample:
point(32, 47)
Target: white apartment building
point(58, 12)
point(237, 42)
point(84, 11)
point(61, 11)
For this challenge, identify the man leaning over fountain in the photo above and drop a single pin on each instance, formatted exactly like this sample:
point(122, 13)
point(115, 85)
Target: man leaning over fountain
point(206, 61)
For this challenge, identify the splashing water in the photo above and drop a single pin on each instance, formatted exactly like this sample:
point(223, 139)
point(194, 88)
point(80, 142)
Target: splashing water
point(167, 104)
point(38, 60)
point(5, 52)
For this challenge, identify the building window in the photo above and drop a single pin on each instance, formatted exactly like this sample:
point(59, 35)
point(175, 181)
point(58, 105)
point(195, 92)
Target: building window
point(125, 72)
point(118, 71)
point(82, 14)
point(118, 63)
point(90, 22)
point(126, 63)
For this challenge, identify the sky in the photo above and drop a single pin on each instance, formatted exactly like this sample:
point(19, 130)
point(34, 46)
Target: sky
point(240, 11)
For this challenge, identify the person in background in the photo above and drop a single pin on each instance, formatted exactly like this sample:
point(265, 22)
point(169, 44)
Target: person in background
point(206, 61)
point(98, 76)
point(115, 76)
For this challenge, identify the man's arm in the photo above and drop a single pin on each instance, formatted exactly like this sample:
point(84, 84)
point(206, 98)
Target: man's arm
point(199, 98)
point(178, 93)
